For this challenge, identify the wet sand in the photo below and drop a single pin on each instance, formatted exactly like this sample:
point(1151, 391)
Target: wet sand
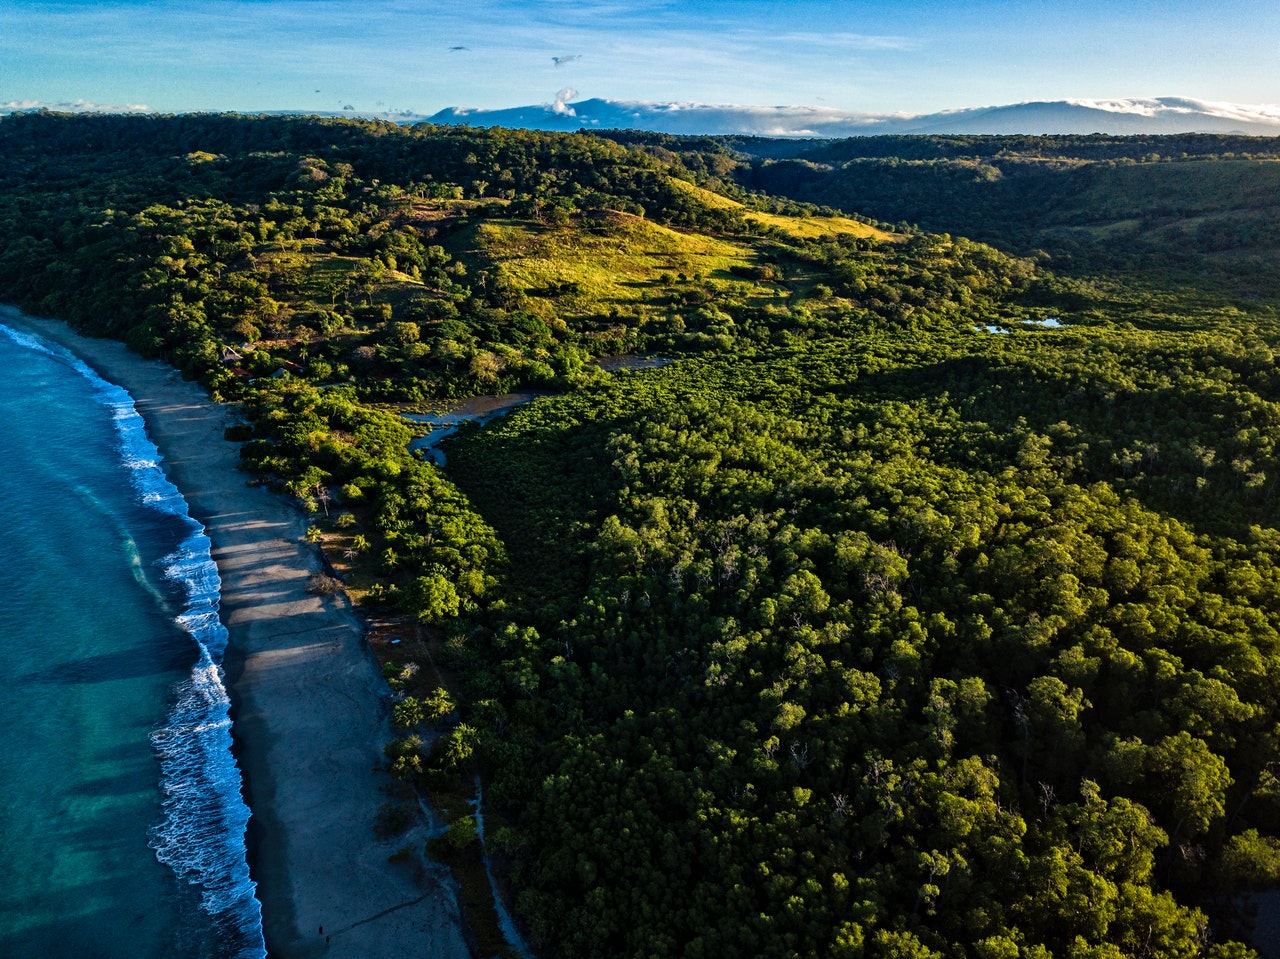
point(309, 720)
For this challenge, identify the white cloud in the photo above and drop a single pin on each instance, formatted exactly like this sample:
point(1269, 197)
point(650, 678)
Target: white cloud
point(847, 41)
point(71, 106)
point(561, 106)
point(1184, 106)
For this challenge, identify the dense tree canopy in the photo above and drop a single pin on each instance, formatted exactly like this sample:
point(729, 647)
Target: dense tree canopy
point(926, 605)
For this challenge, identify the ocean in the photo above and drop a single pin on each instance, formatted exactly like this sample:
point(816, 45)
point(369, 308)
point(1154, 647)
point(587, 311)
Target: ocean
point(123, 824)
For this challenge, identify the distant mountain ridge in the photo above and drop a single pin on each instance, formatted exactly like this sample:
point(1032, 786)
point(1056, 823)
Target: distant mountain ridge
point(1117, 117)
point(1164, 115)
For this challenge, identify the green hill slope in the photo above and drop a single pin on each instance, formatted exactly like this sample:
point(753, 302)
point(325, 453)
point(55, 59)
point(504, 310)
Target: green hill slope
point(1193, 211)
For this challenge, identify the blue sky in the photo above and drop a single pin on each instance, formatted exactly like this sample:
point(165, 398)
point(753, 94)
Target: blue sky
point(423, 55)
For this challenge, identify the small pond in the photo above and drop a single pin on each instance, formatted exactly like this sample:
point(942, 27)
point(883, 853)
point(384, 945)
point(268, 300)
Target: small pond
point(1049, 322)
point(632, 361)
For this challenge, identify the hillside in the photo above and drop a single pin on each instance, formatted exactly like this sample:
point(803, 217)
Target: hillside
point(925, 604)
point(1185, 210)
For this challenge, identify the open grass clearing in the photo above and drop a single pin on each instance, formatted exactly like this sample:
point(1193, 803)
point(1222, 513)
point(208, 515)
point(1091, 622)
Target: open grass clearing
point(800, 228)
point(623, 265)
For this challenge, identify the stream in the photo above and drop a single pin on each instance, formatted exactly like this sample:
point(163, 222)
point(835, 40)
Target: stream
point(482, 409)
point(505, 922)
point(476, 409)
point(441, 425)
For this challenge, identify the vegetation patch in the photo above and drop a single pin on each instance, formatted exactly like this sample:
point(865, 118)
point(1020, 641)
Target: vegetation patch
point(854, 630)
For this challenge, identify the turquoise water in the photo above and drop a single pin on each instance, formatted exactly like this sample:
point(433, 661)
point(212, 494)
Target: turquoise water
point(123, 827)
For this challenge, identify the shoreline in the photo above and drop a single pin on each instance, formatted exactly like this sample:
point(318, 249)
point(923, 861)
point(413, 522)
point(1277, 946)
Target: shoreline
point(307, 698)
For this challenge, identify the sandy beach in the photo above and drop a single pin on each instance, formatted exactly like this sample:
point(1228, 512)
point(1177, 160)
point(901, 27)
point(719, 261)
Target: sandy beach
point(309, 717)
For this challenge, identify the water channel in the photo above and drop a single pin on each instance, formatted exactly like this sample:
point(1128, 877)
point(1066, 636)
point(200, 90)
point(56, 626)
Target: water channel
point(482, 409)
point(476, 409)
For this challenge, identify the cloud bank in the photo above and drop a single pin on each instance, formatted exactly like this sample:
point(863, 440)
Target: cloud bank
point(70, 106)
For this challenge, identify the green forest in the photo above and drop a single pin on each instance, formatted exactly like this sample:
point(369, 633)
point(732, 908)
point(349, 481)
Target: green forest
point(925, 604)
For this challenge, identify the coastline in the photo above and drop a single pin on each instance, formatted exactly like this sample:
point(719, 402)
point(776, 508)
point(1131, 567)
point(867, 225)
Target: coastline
point(306, 695)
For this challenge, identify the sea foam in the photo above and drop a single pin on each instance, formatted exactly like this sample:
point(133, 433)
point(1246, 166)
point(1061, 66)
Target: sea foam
point(200, 835)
